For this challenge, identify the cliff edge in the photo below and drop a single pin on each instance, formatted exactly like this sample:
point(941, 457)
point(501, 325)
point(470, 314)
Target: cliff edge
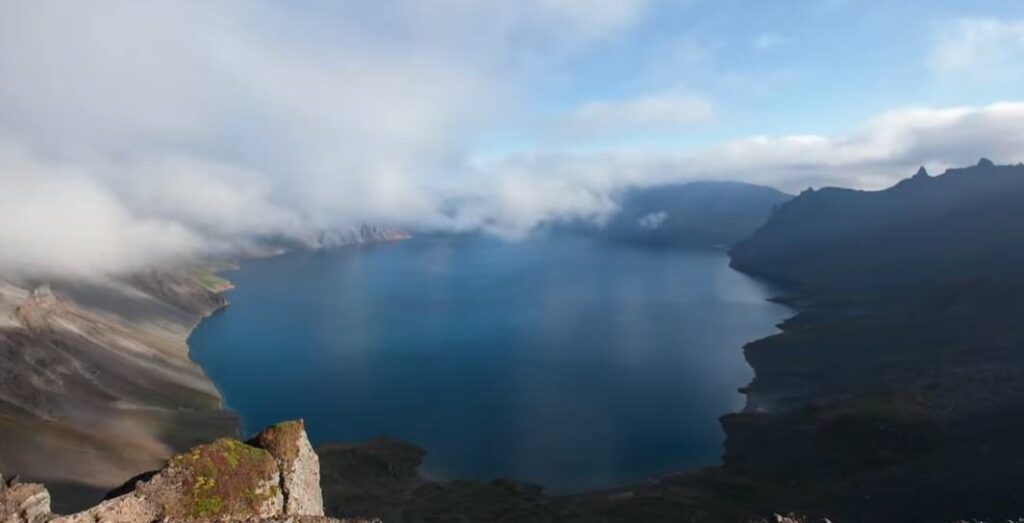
point(274, 477)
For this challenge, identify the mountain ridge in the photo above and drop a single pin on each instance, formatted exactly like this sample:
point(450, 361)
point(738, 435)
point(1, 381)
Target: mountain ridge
point(835, 239)
point(704, 214)
point(901, 373)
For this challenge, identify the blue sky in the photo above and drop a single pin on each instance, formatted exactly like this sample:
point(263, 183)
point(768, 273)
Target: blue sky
point(781, 67)
point(139, 131)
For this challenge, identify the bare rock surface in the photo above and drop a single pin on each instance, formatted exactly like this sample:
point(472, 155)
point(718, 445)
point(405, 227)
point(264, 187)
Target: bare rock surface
point(23, 502)
point(223, 481)
point(299, 466)
point(273, 478)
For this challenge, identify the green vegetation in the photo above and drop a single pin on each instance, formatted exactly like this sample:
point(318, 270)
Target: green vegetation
point(211, 281)
point(282, 440)
point(225, 478)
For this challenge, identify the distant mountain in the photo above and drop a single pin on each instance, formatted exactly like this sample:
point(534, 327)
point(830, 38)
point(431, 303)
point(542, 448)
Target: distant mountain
point(361, 234)
point(955, 231)
point(355, 236)
point(901, 379)
point(696, 214)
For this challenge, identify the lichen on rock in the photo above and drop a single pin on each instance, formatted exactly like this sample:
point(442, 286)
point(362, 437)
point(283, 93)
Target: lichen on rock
point(226, 478)
point(274, 477)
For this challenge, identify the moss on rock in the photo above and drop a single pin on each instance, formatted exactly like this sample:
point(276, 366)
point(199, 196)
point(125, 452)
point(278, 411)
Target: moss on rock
point(281, 440)
point(226, 478)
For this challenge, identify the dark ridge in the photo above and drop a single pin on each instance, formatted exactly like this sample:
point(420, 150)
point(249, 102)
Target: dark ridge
point(947, 233)
point(894, 394)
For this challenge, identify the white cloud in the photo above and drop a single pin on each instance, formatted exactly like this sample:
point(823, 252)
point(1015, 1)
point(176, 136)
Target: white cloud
point(652, 221)
point(59, 221)
point(141, 132)
point(886, 149)
point(660, 112)
point(592, 19)
point(766, 41)
point(984, 48)
point(189, 125)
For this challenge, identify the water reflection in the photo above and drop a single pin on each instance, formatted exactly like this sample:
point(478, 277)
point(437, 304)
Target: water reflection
point(561, 361)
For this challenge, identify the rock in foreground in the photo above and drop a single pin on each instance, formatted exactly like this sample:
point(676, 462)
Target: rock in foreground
point(298, 464)
point(23, 503)
point(273, 477)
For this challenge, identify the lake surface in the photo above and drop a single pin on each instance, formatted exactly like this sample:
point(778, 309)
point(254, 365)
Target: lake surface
point(563, 361)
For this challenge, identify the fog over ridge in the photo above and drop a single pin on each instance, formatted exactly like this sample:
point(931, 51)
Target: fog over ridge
point(141, 133)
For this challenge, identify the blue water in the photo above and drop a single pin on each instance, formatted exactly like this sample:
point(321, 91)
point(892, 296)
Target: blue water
point(562, 361)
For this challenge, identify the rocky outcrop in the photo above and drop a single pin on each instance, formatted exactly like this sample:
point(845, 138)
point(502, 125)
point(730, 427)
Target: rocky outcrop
point(222, 481)
point(275, 477)
point(41, 305)
point(23, 502)
point(299, 466)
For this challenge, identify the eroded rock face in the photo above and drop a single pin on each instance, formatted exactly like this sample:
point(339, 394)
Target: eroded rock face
point(273, 477)
point(37, 309)
point(224, 481)
point(299, 466)
point(23, 503)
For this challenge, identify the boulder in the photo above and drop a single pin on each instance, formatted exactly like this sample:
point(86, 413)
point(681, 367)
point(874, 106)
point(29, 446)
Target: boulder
point(23, 502)
point(299, 465)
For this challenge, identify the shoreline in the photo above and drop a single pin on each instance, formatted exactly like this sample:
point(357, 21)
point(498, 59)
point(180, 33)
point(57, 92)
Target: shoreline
point(772, 295)
point(63, 425)
point(222, 403)
point(225, 286)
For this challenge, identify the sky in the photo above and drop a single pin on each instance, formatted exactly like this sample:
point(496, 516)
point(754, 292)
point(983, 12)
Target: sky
point(142, 132)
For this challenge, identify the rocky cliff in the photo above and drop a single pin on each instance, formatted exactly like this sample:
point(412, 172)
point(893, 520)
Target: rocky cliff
point(275, 477)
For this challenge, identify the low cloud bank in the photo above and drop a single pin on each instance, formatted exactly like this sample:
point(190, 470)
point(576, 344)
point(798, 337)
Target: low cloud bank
point(142, 133)
point(549, 185)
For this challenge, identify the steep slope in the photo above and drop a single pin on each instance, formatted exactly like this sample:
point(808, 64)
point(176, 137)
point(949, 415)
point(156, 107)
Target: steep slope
point(696, 214)
point(950, 232)
point(904, 374)
point(95, 380)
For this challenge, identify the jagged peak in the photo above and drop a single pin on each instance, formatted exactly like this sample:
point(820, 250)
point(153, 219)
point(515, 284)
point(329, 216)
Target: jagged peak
point(921, 173)
point(985, 162)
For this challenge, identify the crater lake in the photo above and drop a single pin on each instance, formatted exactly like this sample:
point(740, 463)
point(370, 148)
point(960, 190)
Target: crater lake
point(561, 360)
